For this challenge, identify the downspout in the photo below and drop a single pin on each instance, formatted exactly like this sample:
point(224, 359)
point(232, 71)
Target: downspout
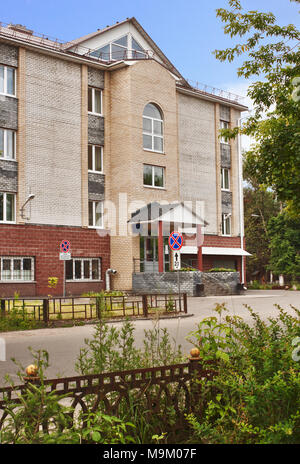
point(241, 200)
point(107, 277)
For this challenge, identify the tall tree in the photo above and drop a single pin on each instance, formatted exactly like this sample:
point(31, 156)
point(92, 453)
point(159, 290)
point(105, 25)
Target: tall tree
point(273, 58)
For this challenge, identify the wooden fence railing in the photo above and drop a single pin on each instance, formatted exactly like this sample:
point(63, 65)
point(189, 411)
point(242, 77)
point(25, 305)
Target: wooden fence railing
point(87, 308)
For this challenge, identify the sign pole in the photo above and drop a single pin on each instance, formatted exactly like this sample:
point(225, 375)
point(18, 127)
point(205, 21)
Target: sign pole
point(176, 242)
point(64, 279)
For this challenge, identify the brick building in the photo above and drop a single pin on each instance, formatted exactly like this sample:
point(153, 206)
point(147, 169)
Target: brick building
point(90, 131)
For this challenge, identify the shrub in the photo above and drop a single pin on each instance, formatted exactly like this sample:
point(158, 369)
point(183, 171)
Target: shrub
point(255, 394)
point(221, 269)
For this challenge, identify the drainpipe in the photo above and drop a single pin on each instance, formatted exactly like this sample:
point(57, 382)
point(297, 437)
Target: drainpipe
point(107, 277)
point(241, 201)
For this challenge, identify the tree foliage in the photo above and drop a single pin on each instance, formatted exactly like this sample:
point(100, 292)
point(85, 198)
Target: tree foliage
point(273, 60)
point(284, 233)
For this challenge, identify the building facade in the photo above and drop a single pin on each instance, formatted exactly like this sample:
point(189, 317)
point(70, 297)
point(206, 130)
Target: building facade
point(91, 131)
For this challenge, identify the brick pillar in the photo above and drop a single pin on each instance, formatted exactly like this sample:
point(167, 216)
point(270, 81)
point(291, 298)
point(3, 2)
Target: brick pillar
point(199, 246)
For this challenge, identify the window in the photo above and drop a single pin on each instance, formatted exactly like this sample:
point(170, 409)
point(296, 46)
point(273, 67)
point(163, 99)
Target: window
point(154, 176)
point(7, 144)
point(7, 207)
point(95, 100)
point(226, 224)
point(225, 183)
point(119, 49)
point(83, 269)
point(7, 80)
point(95, 158)
point(17, 269)
point(96, 214)
point(224, 125)
point(153, 129)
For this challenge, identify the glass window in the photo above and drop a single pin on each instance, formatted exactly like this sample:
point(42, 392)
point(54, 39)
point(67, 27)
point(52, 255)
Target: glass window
point(27, 263)
point(1, 79)
point(122, 41)
point(7, 207)
point(83, 269)
point(77, 269)
point(90, 157)
point(224, 125)
point(86, 269)
point(94, 100)
point(10, 207)
point(10, 81)
point(225, 179)
point(95, 269)
point(158, 176)
point(96, 214)
point(153, 129)
point(102, 53)
point(136, 46)
point(154, 176)
point(226, 224)
point(16, 269)
point(118, 53)
point(6, 269)
point(95, 154)
point(1, 143)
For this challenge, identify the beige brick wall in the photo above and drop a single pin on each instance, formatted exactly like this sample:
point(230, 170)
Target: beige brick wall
point(84, 147)
point(53, 139)
point(234, 115)
point(21, 133)
point(197, 148)
point(130, 90)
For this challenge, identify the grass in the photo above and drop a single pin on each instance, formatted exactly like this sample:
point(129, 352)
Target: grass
point(80, 311)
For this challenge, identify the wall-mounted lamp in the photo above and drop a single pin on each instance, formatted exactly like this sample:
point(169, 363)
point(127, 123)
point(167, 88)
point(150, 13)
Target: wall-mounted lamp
point(29, 198)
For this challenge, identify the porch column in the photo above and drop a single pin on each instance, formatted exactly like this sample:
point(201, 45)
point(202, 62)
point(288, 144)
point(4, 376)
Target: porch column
point(199, 249)
point(160, 247)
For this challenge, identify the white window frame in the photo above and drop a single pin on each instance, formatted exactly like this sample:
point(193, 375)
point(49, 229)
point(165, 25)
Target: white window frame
point(4, 221)
point(223, 170)
point(224, 125)
point(5, 157)
point(95, 202)
point(226, 217)
point(12, 258)
point(153, 177)
point(82, 279)
point(5, 81)
point(152, 134)
point(93, 159)
point(94, 89)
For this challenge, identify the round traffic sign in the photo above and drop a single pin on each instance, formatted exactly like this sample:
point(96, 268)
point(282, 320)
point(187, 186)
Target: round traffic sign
point(175, 241)
point(65, 246)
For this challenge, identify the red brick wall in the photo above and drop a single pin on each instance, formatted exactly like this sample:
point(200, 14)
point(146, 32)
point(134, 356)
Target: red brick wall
point(42, 242)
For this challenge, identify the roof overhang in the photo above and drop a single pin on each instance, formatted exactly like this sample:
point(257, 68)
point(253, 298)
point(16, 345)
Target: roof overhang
point(173, 212)
point(222, 251)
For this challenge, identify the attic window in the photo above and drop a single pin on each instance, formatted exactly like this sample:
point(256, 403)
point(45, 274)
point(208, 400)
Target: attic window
point(120, 49)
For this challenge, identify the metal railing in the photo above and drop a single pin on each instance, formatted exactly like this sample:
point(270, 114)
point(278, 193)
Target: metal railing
point(92, 308)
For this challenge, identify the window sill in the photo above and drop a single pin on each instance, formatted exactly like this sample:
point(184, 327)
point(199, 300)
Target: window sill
point(8, 95)
point(7, 159)
point(17, 281)
point(153, 187)
point(154, 151)
point(225, 190)
point(95, 114)
point(226, 235)
point(95, 172)
point(7, 222)
point(83, 281)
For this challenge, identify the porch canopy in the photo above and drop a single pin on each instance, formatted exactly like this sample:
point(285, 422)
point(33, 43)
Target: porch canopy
point(177, 214)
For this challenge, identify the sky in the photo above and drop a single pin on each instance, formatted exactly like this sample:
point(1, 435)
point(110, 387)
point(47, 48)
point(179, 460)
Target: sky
point(186, 31)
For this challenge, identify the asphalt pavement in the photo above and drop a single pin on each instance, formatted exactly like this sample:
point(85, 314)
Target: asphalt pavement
point(63, 344)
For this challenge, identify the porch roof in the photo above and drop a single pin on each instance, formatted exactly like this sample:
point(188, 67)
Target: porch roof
point(192, 250)
point(172, 212)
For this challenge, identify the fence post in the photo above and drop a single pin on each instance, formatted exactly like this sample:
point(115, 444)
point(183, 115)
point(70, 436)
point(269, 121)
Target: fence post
point(195, 370)
point(145, 305)
point(46, 310)
point(2, 308)
point(185, 303)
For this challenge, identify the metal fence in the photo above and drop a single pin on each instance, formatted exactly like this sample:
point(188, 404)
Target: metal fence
point(155, 389)
point(89, 308)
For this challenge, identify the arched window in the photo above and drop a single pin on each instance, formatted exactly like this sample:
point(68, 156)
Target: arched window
point(153, 138)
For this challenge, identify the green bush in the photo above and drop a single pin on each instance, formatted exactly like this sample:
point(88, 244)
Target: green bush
point(18, 319)
point(255, 394)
